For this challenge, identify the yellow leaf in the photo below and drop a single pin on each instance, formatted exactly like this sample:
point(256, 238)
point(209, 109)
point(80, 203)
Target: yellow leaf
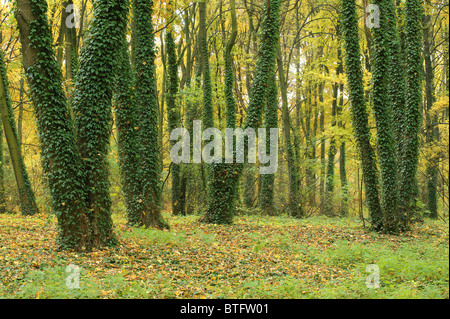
point(38, 295)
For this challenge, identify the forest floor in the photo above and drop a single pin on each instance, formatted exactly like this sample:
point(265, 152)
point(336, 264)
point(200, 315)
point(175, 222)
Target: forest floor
point(257, 257)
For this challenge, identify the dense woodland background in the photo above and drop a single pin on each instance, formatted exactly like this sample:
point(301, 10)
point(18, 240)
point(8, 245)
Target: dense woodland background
point(88, 189)
point(196, 44)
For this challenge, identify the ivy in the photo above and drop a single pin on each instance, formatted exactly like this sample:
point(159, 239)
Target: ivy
point(2, 175)
point(265, 65)
point(271, 121)
point(412, 113)
point(397, 81)
point(264, 92)
point(208, 116)
point(222, 189)
point(382, 108)
point(92, 108)
point(148, 114)
point(173, 115)
point(127, 134)
point(60, 158)
point(74, 161)
point(360, 116)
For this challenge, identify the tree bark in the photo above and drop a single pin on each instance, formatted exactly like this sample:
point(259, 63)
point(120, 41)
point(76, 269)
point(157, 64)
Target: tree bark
point(27, 200)
point(146, 99)
point(360, 117)
point(432, 129)
point(410, 153)
point(294, 205)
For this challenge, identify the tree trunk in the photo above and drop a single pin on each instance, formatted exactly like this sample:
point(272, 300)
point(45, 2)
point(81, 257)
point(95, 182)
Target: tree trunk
point(27, 201)
point(396, 78)
point(360, 117)
point(92, 105)
point(60, 158)
point(342, 152)
point(332, 150)
point(410, 153)
point(127, 136)
point(271, 121)
point(294, 205)
point(146, 99)
point(173, 114)
point(223, 188)
point(80, 200)
point(383, 115)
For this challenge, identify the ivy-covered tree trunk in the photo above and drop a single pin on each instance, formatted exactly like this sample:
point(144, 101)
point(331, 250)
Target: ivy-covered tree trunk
point(271, 121)
point(190, 111)
point(397, 81)
point(61, 161)
point(127, 135)
point(383, 116)
point(71, 49)
point(193, 193)
point(26, 195)
point(147, 105)
point(229, 73)
point(92, 105)
point(263, 93)
point(67, 49)
point(76, 169)
point(265, 64)
point(222, 191)
point(208, 116)
point(360, 117)
point(263, 87)
point(173, 115)
point(412, 114)
point(209, 176)
point(60, 40)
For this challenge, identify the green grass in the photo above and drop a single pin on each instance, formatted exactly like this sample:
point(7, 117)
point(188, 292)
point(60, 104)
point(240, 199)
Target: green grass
point(257, 257)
